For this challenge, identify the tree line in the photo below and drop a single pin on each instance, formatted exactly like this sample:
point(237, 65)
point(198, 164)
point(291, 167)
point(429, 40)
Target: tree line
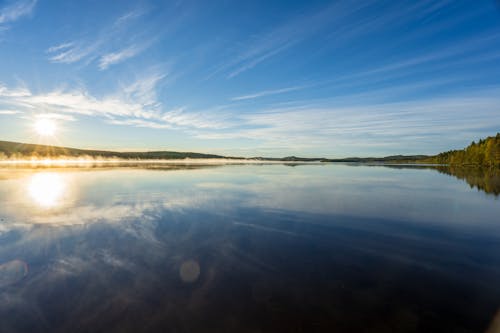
point(486, 152)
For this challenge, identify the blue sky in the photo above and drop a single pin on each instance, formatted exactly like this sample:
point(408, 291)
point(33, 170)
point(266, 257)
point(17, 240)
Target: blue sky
point(272, 78)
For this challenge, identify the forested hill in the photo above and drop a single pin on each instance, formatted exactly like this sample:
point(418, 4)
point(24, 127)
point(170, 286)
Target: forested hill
point(22, 150)
point(486, 152)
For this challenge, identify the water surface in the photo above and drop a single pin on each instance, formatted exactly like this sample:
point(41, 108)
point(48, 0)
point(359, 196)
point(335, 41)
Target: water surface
point(248, 248)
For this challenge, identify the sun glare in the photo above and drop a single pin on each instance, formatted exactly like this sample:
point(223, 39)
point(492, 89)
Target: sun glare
point(47, 189)
point(45, 127)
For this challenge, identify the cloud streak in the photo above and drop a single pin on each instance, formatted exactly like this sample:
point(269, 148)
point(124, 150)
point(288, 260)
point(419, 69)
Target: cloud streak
point(287, 35)
point(119, 56)
point(16, 11)
point(267, 93)
point(101, 47)
point(134, 104)
point(137, 101)
point(71, 52)
point(390, 127)
point(347, 24)
point(9, 112)
point(320, 125)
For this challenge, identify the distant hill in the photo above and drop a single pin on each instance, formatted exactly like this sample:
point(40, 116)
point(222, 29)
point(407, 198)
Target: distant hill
point(486, 152)
point(289, 159)
point(18, 150)
point(387, 159)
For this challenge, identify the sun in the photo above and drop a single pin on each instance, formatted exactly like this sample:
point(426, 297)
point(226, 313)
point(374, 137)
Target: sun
point(45, 127)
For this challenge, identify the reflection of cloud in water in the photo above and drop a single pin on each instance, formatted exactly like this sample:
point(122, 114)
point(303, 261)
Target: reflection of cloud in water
point(113, 196)
point(200, 266)
point(264, 228)
point(74, 265)
point(69, 265)
point(12, 271)
point(400, 194)
point(181, 249)
point(93, 213)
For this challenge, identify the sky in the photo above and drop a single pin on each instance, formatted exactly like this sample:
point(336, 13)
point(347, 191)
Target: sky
point(252, 78)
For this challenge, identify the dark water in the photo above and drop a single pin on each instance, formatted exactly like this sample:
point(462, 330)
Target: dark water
point(255, 248)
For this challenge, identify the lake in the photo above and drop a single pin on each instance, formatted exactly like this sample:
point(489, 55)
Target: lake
point(248, 248)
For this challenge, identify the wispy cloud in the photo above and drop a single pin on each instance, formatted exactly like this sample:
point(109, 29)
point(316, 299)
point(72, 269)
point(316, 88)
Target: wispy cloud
point(16, 92)
point(60, 47)
point(283, 37)
point(9, 112)
point(144, 89)
point(132, 15)
point(383, 127)
point(347, 23)
point(16, 10)
point(119, 56)
point(55, 116)
point(134, 104)
point(364, 129)
point(100, 46)
point(444, 55)
point(267, 93)
point(71, 52)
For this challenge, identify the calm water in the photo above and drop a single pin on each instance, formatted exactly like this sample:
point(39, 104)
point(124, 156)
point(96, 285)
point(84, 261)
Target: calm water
point(248, 248)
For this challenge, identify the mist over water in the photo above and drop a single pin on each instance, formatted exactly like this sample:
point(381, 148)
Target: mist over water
point(248, 248)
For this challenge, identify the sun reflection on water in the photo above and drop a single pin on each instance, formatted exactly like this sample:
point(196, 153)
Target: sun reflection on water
point(47, 189)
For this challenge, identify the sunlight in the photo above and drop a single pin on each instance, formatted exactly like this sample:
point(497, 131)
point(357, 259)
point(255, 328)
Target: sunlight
point(47, 189)
point(45, 127)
